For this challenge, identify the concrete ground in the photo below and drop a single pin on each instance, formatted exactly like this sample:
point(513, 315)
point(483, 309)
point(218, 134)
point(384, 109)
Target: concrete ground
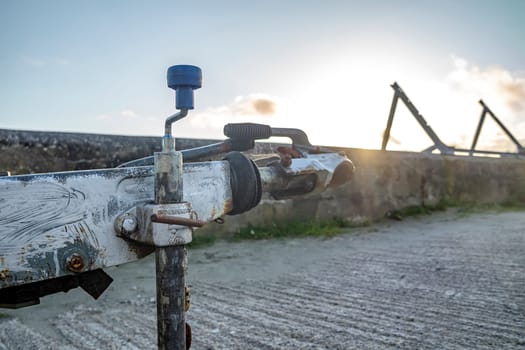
point(446, 281)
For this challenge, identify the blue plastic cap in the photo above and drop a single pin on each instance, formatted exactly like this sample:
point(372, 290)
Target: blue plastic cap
point(184, 79)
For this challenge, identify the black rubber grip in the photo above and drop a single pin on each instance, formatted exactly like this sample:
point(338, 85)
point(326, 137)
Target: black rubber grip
point(248, 131)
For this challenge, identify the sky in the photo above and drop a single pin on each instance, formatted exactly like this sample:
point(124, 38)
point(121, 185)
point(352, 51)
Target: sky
point(323, 66)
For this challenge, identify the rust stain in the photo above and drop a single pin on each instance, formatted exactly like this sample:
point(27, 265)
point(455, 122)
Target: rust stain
point(141, 251)
point(187, 301)
point(75, 263)
point(175, 220)
point(4, 274)
point(228, 206)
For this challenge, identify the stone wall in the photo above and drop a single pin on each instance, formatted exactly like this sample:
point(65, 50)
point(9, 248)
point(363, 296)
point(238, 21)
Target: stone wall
point(383, 182)
point(24, 152)
point(390, 181)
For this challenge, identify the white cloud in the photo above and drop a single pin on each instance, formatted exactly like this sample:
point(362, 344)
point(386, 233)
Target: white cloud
point(502, 90)
point(128, 122)
point(254, 108)
point(102, 117)
point(253, 105)
point(128, 113)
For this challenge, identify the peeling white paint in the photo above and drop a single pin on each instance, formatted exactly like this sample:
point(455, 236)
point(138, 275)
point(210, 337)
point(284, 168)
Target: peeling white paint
point(60, 213)
point(45, 218)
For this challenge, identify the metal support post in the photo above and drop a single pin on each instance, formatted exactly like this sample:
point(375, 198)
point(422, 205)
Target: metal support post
point(386, 135)
point(170, 261)
point(478, 131)
point(171, 322)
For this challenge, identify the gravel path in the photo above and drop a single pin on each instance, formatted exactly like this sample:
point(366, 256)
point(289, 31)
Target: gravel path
point(444, 281)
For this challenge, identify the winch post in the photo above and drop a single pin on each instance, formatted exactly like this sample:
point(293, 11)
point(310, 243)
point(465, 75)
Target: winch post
point(170, 261)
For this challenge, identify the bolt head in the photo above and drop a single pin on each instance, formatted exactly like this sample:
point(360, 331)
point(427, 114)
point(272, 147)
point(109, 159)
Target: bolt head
point(126, 224)
point(129, 224)
point(75, 263)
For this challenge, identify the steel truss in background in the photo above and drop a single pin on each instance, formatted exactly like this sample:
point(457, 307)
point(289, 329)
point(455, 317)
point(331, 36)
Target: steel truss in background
point(440, 145)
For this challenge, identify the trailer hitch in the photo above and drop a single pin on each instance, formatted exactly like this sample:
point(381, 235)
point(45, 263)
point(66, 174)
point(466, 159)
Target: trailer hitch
point(59, 230)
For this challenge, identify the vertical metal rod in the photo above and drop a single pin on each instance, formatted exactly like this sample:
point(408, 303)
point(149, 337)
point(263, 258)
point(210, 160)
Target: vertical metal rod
point(171, 324)
point(478, 130)
point(386, 135)
point(172, 119)
point(509, 134)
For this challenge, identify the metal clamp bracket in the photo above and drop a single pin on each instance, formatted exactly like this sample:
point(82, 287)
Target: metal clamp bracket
point(159, 225)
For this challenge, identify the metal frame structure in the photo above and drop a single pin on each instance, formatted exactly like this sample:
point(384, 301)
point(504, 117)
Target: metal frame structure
point(440, 145)
point(486, 110)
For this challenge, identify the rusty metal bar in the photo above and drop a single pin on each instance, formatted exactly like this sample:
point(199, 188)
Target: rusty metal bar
point(174, 220)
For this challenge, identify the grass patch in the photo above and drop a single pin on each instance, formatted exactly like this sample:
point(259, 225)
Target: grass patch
point(463, 208)
point(4, 316)
point(200, 241)
point(296, 228)
point(330, 228)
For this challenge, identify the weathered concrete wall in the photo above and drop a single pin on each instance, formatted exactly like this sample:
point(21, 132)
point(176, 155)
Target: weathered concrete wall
point(384, 181)
point(388, 181)
point(23, 152)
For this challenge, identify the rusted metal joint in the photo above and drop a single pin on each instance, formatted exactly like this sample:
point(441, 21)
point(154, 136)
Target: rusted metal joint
point(75, 263)
point(126, 224)
point(287, 154)
point(175, 220)
point(159, 225)
point(187, 300)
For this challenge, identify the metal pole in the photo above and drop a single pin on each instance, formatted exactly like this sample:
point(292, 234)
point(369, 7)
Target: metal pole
point(170, 261)
point(478, 131)
point(171, 322)
point(509, 134)
point(386, 135)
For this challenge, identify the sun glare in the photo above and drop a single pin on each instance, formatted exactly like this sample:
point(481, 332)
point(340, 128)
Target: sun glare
point(346, 102)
